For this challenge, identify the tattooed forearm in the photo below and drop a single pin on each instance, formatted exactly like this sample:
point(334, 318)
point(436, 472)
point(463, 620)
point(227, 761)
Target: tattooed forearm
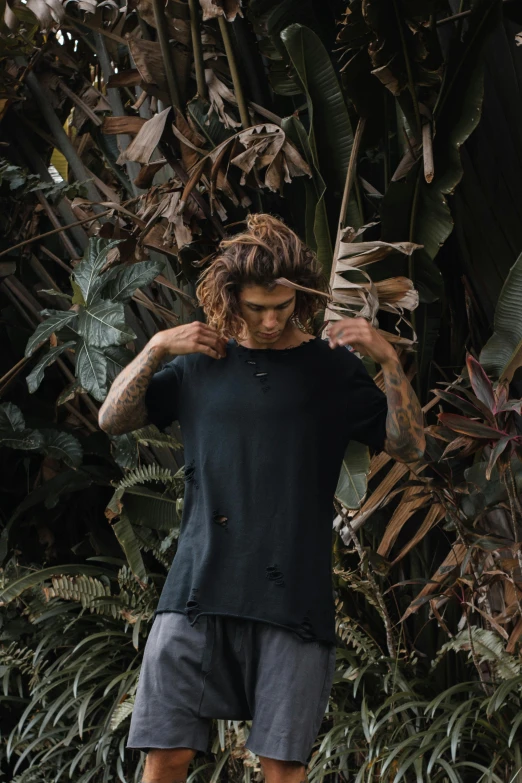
point(404, 424)
point(124, 408)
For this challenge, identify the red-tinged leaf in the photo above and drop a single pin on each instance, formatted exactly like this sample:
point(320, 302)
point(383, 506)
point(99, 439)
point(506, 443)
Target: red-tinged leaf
point(462, 441)
point(478, 404)
point(480, 383)
point(495, 454)
point(475, 429)
point(458, 402)
point(510, 405)
point(501, 395)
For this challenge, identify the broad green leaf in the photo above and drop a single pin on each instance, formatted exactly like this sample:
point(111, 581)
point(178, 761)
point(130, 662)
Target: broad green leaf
point(269, 19)
point(124, 449)
point(353, 479)
point(129, 544)
point(36, 375)
point(331, 135)
point(87, 274)
point(122, 286)
point(117, 357)
point(91, 370)
point(56, 320)
point(11, 418)
point(502, 354)
point(103, 324)
point(64, 446)
point(317, 234)
point(27, 440)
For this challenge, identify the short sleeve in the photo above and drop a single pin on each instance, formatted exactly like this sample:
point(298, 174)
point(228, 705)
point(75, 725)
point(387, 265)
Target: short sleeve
point(367, 409)
point(163, 393)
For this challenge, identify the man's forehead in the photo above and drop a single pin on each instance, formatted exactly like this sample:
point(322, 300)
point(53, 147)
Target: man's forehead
point(258, 294)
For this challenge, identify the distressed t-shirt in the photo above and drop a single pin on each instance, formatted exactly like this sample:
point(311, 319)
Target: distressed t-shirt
point(264, 434)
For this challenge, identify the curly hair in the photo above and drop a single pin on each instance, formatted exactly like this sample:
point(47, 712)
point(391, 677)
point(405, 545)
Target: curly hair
point(267, 253)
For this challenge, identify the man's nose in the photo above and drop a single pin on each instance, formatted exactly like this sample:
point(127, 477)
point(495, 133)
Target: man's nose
point(269, 319)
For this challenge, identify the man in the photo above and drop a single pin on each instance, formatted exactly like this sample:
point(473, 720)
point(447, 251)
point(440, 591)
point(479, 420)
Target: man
point(244, 628)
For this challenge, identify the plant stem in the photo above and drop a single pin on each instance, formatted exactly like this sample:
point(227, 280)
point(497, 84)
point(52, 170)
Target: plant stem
point(348, 184)
point(241, 102)
point(62, 141)
point(55, 231)
point(411, 85)
point(163, 37)
point(199, 63)
point(390, 642)
point(113, 94)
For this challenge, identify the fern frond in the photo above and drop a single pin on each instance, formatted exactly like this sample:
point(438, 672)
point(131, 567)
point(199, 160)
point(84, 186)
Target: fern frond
point(21, 658)
point(488, 646)
point(151, 436)
point(83, 589)
point(122, 711)
point(147, 473)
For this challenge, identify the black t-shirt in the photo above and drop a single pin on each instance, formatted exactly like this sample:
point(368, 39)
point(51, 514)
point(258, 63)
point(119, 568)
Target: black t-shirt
point(264, 433)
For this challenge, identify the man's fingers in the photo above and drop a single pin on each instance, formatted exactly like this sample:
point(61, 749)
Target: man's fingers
point(208, 351)
point(213, 341)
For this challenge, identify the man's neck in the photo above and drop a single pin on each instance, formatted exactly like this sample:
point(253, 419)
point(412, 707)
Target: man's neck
point(291, 337)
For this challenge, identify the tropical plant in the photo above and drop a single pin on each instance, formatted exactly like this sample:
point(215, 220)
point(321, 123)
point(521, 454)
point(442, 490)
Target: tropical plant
point(134, 138)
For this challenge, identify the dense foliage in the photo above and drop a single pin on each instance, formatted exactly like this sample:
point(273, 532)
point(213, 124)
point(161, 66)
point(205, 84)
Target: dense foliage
point(166, 124)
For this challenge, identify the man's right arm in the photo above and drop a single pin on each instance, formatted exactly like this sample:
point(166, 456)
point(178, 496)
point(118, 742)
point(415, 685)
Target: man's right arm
point(124, 407)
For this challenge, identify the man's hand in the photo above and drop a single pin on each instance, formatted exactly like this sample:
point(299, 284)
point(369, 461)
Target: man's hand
point(195, 337)
point(405, 440)
point(363, 338)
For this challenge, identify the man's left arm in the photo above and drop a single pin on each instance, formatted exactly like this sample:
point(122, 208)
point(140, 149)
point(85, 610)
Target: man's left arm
point(405, 439)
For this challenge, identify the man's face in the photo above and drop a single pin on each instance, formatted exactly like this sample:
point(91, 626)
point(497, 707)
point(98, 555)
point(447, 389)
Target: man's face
point(265, 312)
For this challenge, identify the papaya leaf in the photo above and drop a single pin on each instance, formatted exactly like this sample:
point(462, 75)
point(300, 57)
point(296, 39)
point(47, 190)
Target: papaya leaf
point(103, 324)
point(91, 370)
point(117, 357)
point(87, 274)
point(56, 320)
point(129, 278)
point(36, 375)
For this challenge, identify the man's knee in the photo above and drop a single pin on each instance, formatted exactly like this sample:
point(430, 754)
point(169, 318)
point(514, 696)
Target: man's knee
point(171, 763)
point(276, 770)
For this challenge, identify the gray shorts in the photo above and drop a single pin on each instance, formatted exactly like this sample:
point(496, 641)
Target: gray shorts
point(231, 668)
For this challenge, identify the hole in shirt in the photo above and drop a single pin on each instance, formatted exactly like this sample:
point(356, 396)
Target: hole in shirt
point(306, 629)
point(260, 374)
point(275, 575)
point(220, 519)
point(190, 474)
point(249, 361)
point(192, 604)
